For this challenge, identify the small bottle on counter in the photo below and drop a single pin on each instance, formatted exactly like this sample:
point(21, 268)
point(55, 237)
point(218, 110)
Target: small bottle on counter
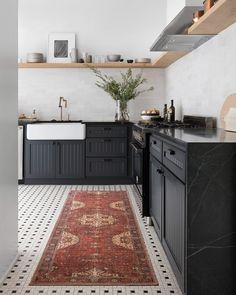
point(33, 115)
point(165, 112)
point(171, 112)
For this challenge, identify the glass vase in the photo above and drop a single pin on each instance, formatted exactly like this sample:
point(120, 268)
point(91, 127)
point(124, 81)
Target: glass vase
point(117, 114)
point(122, 113)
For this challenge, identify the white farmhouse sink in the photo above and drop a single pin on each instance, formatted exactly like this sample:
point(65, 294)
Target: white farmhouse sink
point(56, 131)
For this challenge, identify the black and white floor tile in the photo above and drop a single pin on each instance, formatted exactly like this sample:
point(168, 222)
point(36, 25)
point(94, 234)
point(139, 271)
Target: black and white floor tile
point(39, 208)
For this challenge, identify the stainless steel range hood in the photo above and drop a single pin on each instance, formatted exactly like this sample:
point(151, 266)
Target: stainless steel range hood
point(175, 38)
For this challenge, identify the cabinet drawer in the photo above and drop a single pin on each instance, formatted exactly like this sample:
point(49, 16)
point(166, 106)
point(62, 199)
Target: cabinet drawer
point(106, 131)
point(109, 167)
point(107, 147)
point(174, 160)
point(156, 147)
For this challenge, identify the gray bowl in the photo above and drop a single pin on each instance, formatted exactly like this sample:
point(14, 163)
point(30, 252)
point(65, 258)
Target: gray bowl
point(113, 57)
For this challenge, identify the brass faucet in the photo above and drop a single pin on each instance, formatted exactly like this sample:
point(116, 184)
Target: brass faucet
point(61, 106)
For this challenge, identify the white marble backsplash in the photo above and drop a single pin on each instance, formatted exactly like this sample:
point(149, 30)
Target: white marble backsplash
point(200, 82)
point(40, 89)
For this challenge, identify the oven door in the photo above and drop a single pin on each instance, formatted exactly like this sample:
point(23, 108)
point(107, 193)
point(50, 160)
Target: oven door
point(137, 155)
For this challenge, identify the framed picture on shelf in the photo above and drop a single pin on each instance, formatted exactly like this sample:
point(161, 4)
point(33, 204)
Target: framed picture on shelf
point(59, 47)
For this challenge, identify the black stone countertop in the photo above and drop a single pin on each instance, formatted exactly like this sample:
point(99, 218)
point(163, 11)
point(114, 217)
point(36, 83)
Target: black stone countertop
point(188, 135)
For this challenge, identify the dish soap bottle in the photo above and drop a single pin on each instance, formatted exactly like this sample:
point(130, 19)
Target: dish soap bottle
point(171, 112)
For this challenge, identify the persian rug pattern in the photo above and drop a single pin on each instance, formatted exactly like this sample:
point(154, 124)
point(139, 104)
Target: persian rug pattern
point(96, 241)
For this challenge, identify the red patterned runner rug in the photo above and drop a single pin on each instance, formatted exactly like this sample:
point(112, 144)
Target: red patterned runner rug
point(96, 241)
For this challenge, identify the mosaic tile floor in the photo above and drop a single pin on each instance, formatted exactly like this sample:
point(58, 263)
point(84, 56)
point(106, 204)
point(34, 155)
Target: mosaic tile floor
point(39, 207)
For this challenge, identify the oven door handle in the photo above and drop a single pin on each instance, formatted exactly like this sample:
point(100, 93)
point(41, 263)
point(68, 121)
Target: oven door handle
point(136, 148)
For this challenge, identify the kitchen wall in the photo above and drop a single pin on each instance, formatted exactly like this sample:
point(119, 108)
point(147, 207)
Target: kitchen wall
point(40, 90)
point(102, 27)
point(174, 7)
point(8, 135)
point(200, 82)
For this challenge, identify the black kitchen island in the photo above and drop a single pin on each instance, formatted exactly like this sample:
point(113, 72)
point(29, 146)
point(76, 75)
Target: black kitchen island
point(192, 204)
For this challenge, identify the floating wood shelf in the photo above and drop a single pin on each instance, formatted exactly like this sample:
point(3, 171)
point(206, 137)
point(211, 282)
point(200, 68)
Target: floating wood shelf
point(167, 58)
point(215, 20)
point(84, 65)
point(218, 18)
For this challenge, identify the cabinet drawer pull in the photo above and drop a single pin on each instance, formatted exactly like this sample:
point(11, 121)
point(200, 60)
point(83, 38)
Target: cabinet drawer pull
point(106, 140)
point(160, 171)
point(171, 152)
point(107, 160)
point(107, 128)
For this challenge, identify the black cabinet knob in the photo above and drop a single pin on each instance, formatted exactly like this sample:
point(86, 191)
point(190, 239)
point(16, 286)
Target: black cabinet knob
point(154, 142)
point(160, 171)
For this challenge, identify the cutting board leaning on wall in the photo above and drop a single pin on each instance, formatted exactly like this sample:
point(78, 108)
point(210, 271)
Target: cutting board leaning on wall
point(230, 102)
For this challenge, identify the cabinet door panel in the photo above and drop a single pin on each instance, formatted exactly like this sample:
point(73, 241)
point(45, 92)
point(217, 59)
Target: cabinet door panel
point(39, 159)
point(70, 159)
point(174, 223)
point(108, 147)
point(109, 167)
point(156, 186)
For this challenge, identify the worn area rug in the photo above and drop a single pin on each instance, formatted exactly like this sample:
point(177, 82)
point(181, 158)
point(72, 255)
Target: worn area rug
point(96, 241)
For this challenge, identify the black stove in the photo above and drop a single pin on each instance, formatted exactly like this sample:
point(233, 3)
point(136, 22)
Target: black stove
point(140, 149)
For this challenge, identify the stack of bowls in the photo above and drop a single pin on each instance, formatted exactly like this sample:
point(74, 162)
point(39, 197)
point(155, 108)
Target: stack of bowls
point(143, 60)
point(35, 57)
point(113, 57)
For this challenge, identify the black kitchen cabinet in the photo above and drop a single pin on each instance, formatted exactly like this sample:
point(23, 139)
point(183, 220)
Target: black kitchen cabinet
point(174, 223)
point(108, 157)
point(111, 130)
point(46, 159)
point(198, 169)
point(40, 159)
point(106, 167)
point(156, 194)
point(70, 159)
point(106, 147)
point(102, 158)
point(167, 210)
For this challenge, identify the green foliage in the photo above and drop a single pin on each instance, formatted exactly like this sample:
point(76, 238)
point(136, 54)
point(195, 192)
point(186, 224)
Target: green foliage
point(123, 90)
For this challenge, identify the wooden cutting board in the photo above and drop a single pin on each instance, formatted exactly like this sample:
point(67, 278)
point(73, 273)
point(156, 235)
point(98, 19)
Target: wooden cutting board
point(230, 102)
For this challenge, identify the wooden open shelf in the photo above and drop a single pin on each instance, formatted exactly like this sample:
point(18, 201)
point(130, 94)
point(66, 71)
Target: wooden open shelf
point(215, 20)
point(167, 58)
point(218, 18)
point(84, 65)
